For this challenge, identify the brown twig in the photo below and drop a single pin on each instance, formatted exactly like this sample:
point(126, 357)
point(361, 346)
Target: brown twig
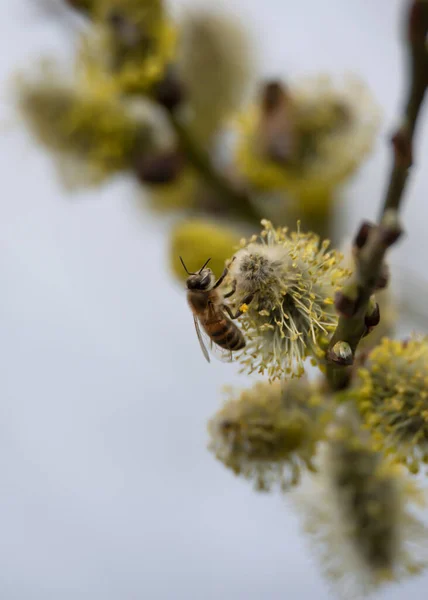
point(234, 200)
point(372, 242)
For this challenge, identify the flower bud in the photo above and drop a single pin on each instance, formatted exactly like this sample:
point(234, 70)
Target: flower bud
point(169, 91)
point(341, 354)
point(159, 168)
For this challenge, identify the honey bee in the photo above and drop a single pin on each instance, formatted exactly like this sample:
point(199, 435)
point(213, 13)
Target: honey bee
point(209, 311)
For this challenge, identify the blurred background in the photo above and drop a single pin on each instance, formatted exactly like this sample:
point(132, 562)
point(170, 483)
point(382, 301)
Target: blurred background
point(108, 490)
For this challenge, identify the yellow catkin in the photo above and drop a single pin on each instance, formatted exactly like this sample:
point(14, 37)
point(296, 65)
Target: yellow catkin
point(359, 512)
point(287, 280)
point(268, 433)
point(391, 392)
point(128, 47)
point(214, 54)
point(333, 130)
point(94, 130)
point(196, 240)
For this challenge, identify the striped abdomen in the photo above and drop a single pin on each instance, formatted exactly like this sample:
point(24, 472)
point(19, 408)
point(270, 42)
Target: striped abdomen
point(224, 333)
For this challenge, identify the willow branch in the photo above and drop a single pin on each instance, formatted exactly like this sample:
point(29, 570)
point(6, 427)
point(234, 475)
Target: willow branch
point(356, 314)
point(236, 201)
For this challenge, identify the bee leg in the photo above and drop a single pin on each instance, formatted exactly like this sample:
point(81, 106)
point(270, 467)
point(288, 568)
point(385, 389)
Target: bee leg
point(222, 276)
point(233, 290)
point(239, 312)
point(229, 311)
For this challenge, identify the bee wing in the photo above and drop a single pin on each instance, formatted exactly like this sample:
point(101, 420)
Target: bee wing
point(206, 342)
point(220, 353)
point(201, 339)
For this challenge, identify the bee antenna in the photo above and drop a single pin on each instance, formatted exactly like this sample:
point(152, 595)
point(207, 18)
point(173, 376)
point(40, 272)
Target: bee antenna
point(185, 268)
point(204, 265)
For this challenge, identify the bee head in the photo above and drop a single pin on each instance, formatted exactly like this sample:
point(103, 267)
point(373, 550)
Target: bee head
point(202, 280)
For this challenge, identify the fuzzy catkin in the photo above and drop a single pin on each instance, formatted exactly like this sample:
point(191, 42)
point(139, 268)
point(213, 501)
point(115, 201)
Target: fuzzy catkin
point(269, 433)
point(333, 129)
point(391, 392)
point(358, 511)
point(215, 64)
point(91, 135)
point(290, 279)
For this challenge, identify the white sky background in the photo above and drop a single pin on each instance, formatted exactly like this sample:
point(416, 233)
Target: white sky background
point(107, 489)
